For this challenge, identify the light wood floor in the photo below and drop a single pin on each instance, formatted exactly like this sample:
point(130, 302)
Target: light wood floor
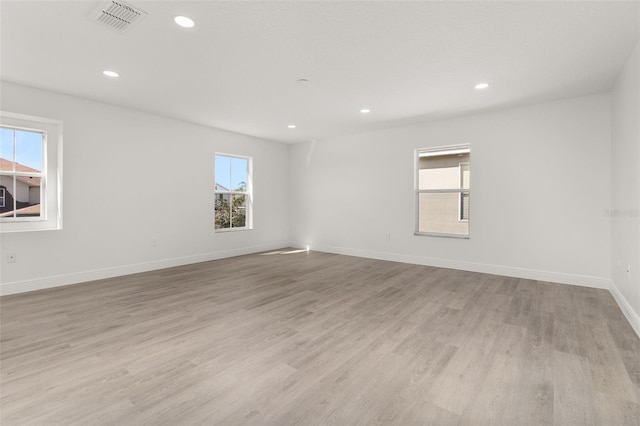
point(314, 338)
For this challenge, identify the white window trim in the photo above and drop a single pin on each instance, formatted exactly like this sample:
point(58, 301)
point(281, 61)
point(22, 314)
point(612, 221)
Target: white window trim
point(460, 196)
point(51, 188)
point(2, 197)
point(460, 218)
point(249, 194)
point(432, 152)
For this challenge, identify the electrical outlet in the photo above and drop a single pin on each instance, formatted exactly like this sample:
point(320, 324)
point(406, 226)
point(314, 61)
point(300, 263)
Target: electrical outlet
point(12, 258)
point(154, 242)
point(387, 236)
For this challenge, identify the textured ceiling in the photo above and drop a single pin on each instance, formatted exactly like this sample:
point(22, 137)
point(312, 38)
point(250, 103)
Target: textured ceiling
point(237, 69)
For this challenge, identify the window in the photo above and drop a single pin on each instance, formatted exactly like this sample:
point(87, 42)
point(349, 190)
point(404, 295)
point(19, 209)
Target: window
point(443, 193)
point(30, 173)
point(233, 192)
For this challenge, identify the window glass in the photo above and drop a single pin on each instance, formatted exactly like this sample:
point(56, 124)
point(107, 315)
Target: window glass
point(232, 192)
point(443, 191)
point(29, 149)
point(21, 174)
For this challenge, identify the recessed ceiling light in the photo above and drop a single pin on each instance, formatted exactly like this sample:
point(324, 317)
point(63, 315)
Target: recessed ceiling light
point(184, 22)
point(365, 111)
point(291, 126)
point(481, 86)
point(303, 81)
point(110, 73)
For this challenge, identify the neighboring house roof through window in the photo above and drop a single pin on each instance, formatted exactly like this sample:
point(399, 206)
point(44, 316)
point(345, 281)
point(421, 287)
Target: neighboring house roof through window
point(27, 211)
point(8, 165)
point(220, 187)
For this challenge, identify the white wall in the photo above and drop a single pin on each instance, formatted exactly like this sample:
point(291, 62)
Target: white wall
point(625, 189)
point(130, 178)
point(540, 185)
point(543, 177)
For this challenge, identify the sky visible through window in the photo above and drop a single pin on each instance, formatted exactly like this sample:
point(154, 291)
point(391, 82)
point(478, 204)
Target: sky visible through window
point(231, 172)
point(28, 147)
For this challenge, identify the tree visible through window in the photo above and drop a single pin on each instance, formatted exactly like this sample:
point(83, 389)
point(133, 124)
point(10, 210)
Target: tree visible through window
point(443, 191)
point(232, 192)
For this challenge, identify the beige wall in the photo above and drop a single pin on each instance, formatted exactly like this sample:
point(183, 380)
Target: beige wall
point(439, 213)
point(34, 195)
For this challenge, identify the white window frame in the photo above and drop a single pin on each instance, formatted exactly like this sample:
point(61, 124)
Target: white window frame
point(2, 197)
point(248, 194)
point(51, 175)
point(42, 175)
point(438, 151)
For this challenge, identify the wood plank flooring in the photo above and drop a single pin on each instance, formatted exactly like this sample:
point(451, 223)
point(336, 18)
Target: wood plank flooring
point(317, 339)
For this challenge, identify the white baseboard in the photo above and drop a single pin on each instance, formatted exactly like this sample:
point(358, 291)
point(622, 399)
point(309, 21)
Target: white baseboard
point(554, 277)
point(531, 274)
point(98, 274)
point(631, 315)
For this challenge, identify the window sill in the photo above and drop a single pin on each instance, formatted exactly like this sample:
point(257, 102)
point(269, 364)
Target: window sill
point(224, 230)
point(29, 224)
point(434, 234)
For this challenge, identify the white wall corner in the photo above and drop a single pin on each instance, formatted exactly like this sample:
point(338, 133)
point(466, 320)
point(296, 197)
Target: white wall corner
point(631, 315)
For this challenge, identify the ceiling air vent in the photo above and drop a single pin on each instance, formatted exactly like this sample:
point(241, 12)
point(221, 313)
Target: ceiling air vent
point(118, 15)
